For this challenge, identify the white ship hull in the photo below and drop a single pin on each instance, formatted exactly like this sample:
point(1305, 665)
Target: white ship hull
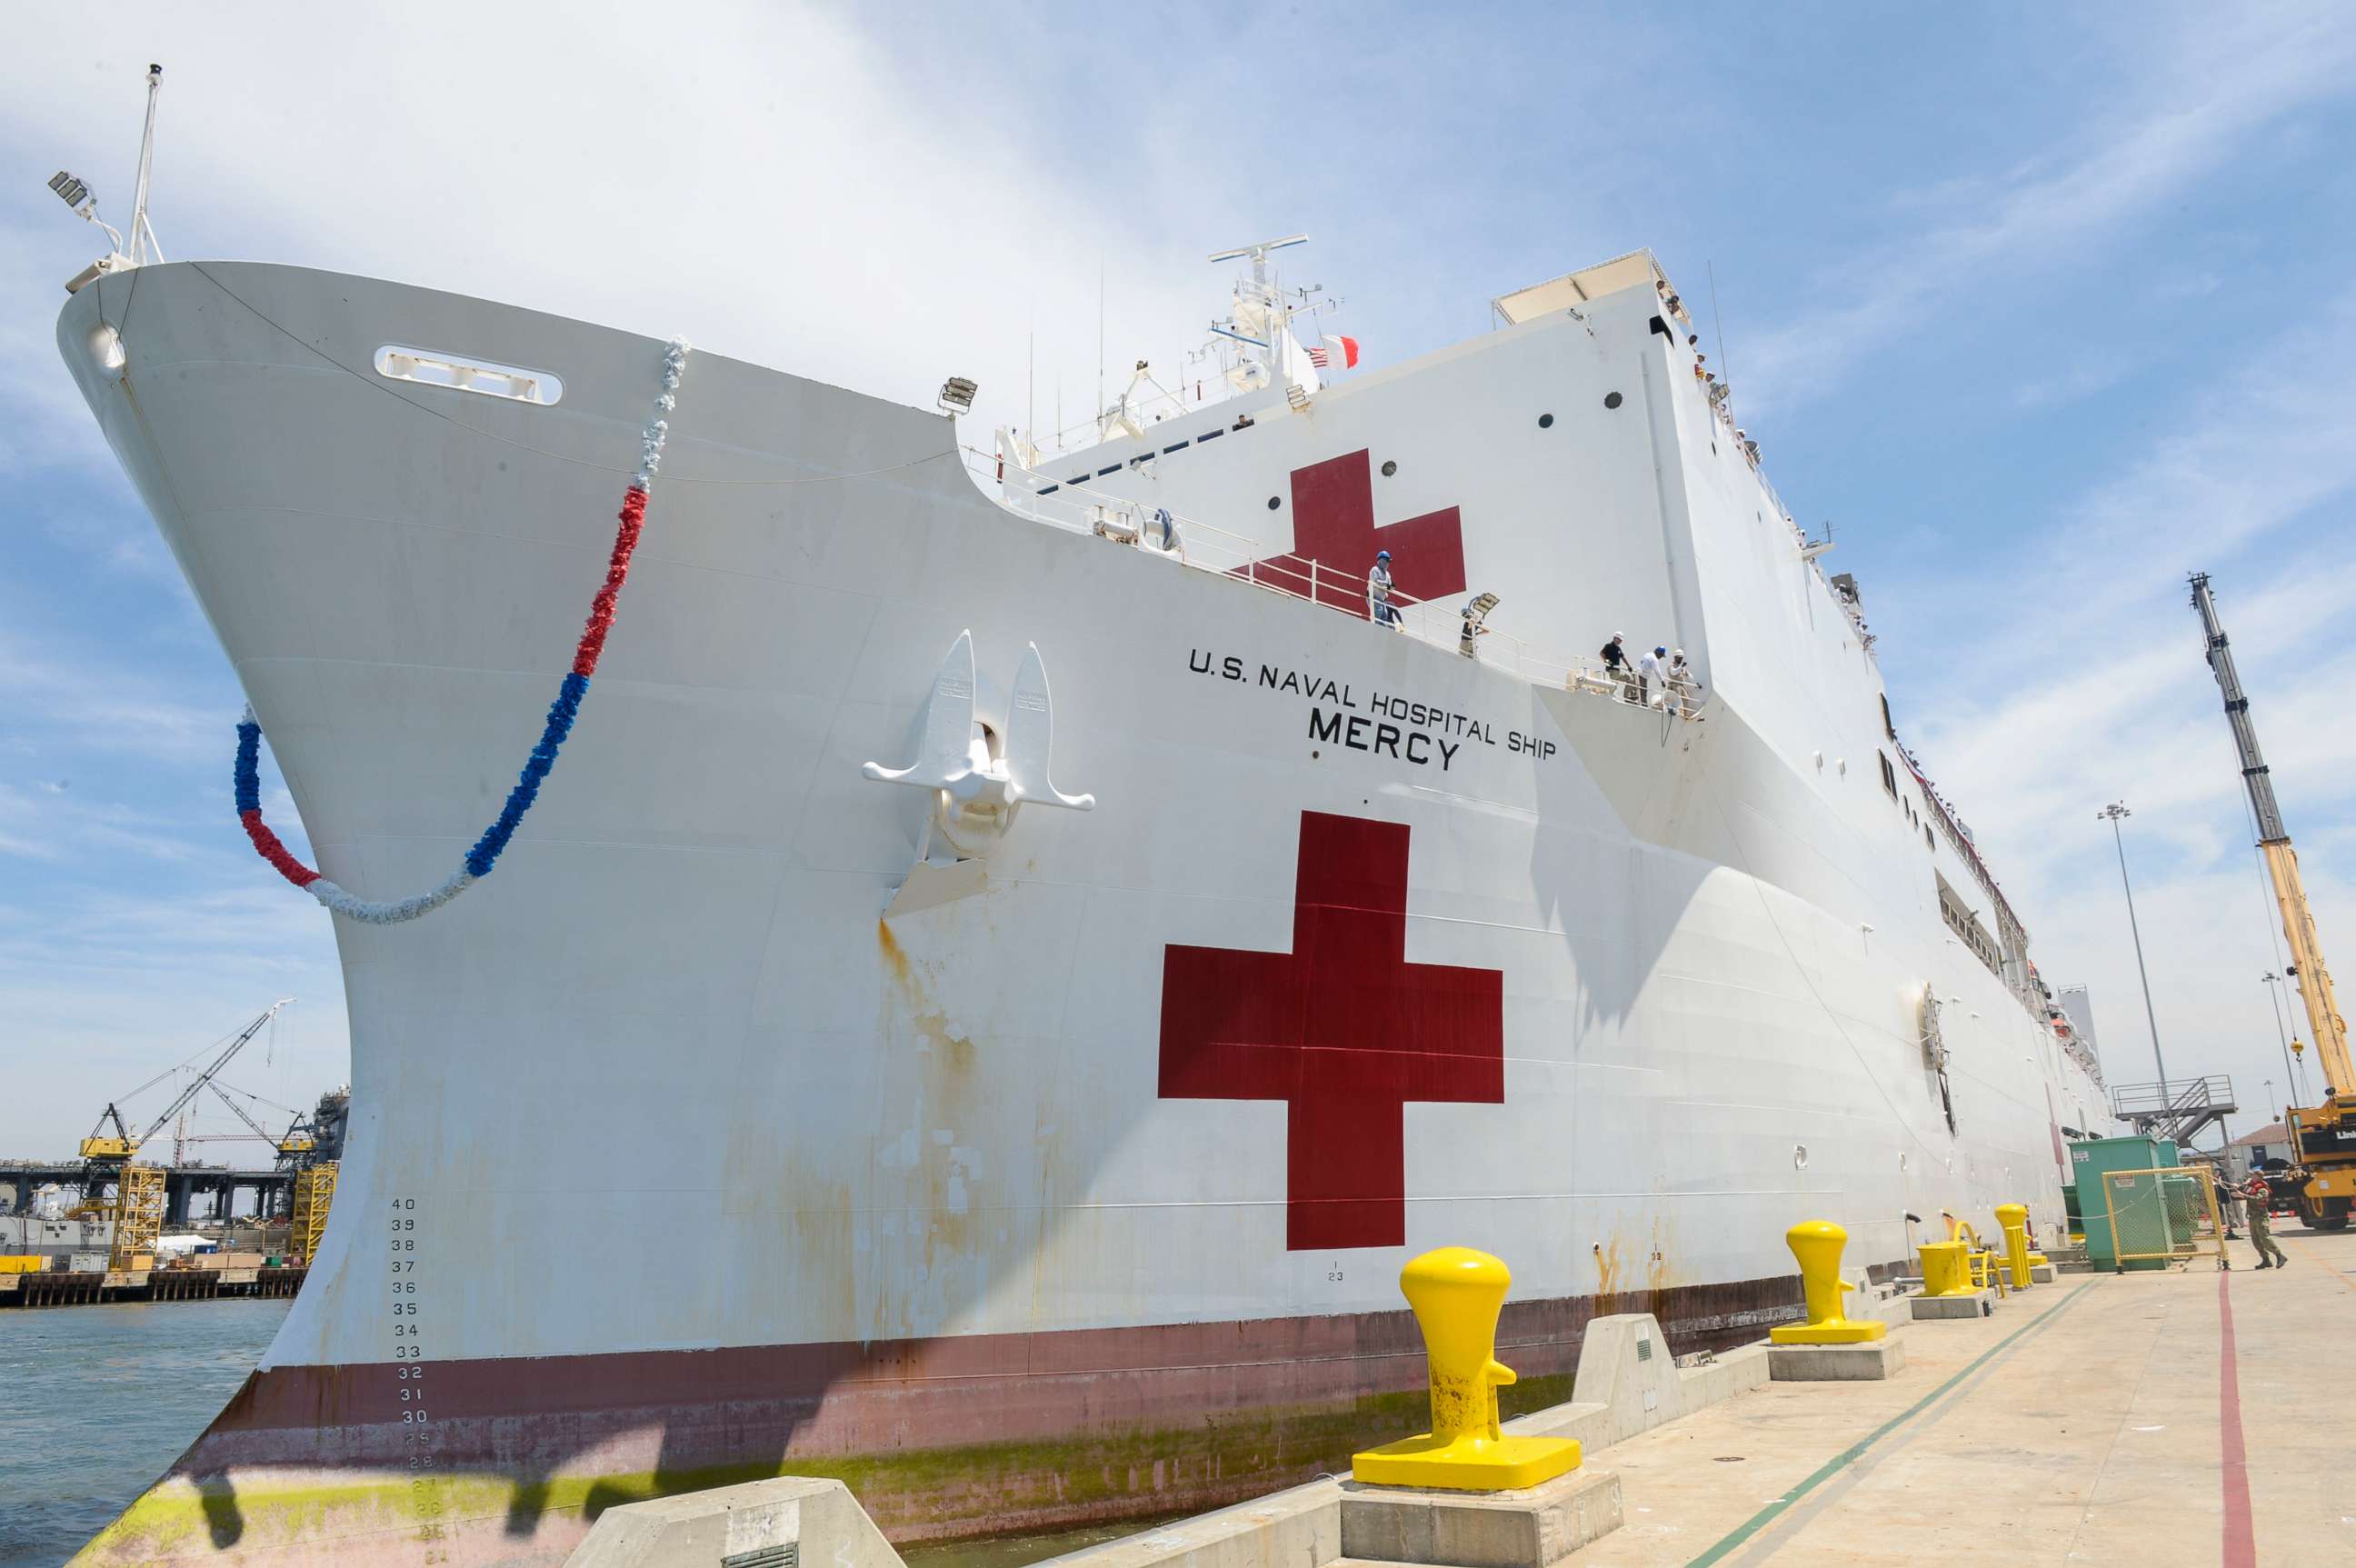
point(672, 1160)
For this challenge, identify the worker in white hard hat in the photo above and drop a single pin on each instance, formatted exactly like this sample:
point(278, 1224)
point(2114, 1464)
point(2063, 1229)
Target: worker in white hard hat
point(1681, 683)
point(1616, 666)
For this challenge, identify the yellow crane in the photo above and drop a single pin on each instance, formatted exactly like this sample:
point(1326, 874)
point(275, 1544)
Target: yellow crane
point(2322, 1138)
point(110, 1159)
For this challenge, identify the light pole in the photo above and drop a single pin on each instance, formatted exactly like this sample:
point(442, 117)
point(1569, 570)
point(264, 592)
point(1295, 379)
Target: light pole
point(2112, 813)
point(2272, 980)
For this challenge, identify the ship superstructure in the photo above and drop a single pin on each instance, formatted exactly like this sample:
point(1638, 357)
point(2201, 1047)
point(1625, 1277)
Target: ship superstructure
point(1042, 1142)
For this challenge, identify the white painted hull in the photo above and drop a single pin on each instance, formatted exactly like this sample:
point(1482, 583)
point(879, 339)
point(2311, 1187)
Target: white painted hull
point(667, 1083)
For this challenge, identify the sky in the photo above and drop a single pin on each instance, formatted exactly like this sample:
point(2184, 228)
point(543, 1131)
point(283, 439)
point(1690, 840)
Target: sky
point(2037, 309)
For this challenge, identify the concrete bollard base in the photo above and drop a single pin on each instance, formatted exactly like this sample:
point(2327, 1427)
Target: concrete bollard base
point(1526, 1529)
point(1868, 1363)
point(788, 1518)
point(1979, 1303)
point(2040, 1273)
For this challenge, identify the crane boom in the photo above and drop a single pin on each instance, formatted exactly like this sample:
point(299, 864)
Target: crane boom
point(2323, 1019)
point(197, 1084)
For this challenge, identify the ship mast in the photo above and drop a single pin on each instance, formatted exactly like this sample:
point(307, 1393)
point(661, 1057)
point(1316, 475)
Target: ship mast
point(1260, 323)
point(144, 245)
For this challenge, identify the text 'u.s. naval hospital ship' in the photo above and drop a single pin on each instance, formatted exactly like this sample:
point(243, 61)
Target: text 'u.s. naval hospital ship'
point(1027, 1149)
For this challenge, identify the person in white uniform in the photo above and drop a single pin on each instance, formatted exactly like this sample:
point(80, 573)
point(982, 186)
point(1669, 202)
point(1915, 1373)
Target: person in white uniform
point(1651, 675)
point(1379, 592)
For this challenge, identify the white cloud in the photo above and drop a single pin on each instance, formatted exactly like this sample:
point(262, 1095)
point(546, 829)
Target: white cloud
point(2080, 381)
point(2215, 85)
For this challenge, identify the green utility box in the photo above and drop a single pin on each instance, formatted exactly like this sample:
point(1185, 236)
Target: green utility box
point(2185, 1209)
point(2138, 1211)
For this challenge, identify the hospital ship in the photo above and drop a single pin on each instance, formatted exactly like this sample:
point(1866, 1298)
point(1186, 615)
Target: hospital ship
point(1012, 953)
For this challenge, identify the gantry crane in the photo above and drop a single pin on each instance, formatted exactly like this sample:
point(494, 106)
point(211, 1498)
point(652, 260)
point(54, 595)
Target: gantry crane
point(2322, 1138)
point(110, 1159)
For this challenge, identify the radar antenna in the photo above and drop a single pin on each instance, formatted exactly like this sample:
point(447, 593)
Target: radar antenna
point(1260, 321)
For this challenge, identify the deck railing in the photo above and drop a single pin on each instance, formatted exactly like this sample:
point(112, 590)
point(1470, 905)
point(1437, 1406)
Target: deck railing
point(1205, 546)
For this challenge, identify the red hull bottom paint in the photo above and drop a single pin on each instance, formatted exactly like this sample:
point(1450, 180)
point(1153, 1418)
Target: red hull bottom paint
point(963, 1436)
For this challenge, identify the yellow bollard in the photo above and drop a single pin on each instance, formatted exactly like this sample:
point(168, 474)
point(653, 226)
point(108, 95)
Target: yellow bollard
point(1817, 1244)
point(1456, 1294)
point(2014, 1217)
point(1946, 1269)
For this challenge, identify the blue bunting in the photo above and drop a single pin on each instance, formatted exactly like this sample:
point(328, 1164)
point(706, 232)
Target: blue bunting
point(249, 767)
point(561, 715)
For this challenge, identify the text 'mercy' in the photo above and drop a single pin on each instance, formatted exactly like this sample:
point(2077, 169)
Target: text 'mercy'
point(1382, 724)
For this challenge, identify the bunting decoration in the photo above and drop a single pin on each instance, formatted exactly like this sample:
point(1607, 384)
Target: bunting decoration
point(570, 692)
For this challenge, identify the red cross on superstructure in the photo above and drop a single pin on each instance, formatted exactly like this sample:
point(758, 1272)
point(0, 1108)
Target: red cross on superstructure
point(1343, 1029)
point(1333, 525)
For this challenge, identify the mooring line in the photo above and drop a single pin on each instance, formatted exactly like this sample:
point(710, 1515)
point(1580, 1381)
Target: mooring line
point(1849, 1456)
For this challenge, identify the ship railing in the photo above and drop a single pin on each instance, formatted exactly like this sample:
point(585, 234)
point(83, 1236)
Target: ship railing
point(1196, 543)
point(2085, 1058)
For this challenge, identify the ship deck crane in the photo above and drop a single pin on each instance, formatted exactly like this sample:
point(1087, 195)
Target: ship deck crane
point(2323, 1136)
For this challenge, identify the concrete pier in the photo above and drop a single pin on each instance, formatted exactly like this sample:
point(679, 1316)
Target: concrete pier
point(2153, 1419)
point(2181, 1416)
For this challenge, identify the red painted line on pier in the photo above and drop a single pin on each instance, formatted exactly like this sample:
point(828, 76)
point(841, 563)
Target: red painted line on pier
point(2241, 1548)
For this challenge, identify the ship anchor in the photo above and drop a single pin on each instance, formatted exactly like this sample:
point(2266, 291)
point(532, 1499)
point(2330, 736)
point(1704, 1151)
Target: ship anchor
point(976, 794)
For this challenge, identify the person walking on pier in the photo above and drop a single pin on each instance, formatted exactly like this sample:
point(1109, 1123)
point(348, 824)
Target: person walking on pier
point(2270, 1256)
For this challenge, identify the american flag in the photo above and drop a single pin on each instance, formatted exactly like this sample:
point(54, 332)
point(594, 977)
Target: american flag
point(1322, 357)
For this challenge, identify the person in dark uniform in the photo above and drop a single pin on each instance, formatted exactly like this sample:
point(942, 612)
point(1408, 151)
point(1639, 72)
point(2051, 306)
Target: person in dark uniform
point(1616, 666)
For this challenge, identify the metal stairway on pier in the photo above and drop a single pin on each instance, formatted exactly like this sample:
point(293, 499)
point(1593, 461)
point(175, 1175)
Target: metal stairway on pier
point(2180, 1109)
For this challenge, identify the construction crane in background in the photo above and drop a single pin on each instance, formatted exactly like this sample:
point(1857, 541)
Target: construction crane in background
point(2322, 1138)
point(100, 1149)
point(113, 1159)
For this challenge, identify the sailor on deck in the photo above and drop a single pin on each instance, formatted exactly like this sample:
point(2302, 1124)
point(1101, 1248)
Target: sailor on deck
point(1680, 682)
point(1651, 675)
point(1379, 592)
point(1616, 665)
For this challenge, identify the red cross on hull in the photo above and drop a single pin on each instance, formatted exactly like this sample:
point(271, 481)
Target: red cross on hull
point(1343, 1029)
point(1333, 525)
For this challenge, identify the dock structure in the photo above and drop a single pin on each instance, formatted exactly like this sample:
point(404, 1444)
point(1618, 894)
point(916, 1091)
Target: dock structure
point(2105, 1418)
point(272, 1189)
point(91, 1288)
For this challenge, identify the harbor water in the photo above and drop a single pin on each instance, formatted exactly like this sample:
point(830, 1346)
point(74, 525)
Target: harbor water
point(96, 1400)
point(99, 1400)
